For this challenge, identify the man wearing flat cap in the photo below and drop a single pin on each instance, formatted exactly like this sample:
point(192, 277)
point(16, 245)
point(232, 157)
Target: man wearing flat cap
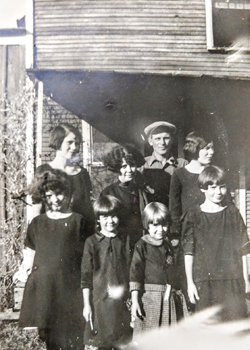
point(159, 167)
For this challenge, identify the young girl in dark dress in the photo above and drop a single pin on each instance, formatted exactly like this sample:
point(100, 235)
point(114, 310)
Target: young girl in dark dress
point(215, 244)
point(152, 268)
point(52, 298)
point(105, 279)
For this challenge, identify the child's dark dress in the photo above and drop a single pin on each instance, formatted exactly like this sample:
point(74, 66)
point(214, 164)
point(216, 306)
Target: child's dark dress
point(151, 275)
point(217, 241)
point(53, 298)
point(105, 266)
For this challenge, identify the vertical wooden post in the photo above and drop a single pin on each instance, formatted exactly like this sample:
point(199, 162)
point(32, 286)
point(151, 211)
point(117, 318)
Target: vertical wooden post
point(86, 135)
point(29, 148)
point(29, 35)
point(39, 125)
point(242, 191)
point(209, 24)
point(3, 67)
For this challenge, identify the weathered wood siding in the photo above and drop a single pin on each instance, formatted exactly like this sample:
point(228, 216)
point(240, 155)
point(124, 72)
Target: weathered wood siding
point(165, 37)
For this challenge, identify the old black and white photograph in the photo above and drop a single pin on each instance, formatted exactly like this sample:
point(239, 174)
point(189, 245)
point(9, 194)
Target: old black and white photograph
point(124, 174)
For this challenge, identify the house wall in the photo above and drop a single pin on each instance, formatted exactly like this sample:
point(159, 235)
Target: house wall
point(163, 37)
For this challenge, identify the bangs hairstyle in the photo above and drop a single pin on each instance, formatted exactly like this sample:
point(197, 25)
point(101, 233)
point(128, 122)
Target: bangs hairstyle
point(59, 133)
point(113, 159)
point(51, 180)
point(107, 205)
point(211, 175)
point(155, 213)
point(194, 142)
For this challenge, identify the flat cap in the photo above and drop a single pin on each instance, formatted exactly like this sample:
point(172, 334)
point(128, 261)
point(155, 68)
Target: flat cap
point(161, 125)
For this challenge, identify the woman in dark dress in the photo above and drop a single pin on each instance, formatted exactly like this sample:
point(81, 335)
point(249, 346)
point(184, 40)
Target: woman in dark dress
point(184, 189)
point(185, 192)
point(65, 140)
point(129, 189)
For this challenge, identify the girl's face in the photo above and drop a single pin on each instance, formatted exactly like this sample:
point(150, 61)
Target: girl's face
point(108, 223)
point(215, 193)
point(69, 146)
point(56, 201)
point(206, 154)
point(127, 172)
point(157, 231)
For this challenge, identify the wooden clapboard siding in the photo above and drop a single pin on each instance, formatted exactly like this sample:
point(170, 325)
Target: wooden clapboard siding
point(165, 37)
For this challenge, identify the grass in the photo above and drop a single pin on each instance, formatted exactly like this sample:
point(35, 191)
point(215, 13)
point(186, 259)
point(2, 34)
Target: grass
point(13, 338)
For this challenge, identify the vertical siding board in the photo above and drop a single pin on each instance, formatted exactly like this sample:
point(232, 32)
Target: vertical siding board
point(2, 69)
point(15, 69)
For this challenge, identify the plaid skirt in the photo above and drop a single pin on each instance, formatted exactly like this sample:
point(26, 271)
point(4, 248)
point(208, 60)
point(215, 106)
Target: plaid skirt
point(159, 308)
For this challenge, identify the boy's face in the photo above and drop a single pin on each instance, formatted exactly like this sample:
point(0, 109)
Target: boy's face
point(157, 231)
point(161, 143)
point(108, 223)
point(55, 200)
point(215, 193)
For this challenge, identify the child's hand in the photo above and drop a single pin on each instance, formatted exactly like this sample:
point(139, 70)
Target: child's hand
point(192, 293)
point(136, 310)
point(87, 312)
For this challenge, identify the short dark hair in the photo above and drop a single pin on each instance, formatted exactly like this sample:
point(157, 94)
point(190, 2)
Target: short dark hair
point(50, 180)
point(107, 205)
point(113, 159)
point(195, 141)
point(211, 175)
point(155, 213)
point(59, 133)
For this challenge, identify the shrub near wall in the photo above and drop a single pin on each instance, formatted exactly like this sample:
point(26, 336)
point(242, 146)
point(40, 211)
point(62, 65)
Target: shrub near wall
point(14, 155)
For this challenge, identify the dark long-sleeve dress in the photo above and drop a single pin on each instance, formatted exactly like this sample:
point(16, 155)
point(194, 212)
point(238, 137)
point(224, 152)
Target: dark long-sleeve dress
point(217, 241)
point(52, 298)
point(184, 194)
point(105, 271)
point(151, 274)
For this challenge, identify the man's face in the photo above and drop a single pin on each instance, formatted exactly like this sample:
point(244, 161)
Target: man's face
point(161, 143)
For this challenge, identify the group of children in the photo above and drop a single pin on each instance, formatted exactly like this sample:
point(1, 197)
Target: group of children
point(124, 285)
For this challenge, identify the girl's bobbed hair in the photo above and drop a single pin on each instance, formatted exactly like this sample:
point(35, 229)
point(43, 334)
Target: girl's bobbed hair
point(195, 141)
point(107, 205)
point(113, 159)
point(51, 180)
point(211, 175)
point(59, 133)
point(155, 213)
